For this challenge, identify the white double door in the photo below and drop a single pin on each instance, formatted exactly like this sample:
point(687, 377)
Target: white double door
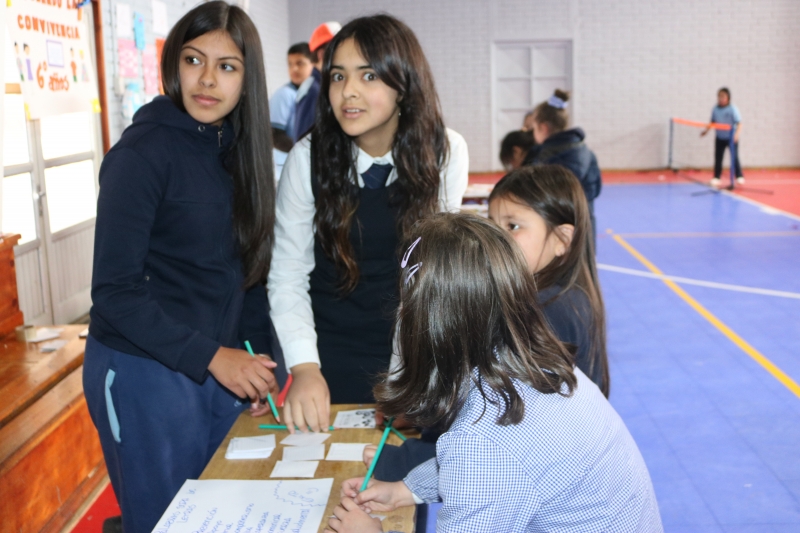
point(524, 74)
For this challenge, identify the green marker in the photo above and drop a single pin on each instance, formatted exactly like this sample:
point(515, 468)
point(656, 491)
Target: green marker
point(281, 426)
point(402, 437)
point(377, 454)
point(269, 396)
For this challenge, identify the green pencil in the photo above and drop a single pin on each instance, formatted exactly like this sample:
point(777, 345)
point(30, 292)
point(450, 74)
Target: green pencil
point(269, 396)
point(402, 437)
point(281, 426)
point(377, 454)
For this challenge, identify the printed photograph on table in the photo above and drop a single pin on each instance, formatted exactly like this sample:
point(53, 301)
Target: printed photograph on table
point(358, 418)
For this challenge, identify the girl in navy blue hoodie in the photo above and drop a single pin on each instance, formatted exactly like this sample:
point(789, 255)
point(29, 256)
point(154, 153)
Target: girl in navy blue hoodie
point(182, 247)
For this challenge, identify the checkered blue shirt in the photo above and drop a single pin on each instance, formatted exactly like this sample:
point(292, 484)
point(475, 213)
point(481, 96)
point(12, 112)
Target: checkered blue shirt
point(569, 466)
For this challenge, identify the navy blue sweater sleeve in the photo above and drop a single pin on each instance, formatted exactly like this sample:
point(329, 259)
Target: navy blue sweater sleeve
point(395, 462)
point(255, 325)
point(130, 195)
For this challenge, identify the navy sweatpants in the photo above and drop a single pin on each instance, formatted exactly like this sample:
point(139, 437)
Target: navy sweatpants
point(157, 428)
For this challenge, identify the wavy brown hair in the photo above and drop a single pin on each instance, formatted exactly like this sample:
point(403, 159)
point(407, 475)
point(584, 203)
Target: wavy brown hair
point(556, 195)
point(420, 147)
point(469, 316)
point(250, 158)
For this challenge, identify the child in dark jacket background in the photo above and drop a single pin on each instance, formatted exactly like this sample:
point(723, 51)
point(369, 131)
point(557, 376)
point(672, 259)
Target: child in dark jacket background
point(558, 145)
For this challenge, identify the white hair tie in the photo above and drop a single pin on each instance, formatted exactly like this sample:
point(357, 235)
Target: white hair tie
point(558, 103)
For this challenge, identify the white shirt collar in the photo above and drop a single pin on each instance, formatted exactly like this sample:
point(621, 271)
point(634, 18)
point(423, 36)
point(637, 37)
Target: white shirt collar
point(365, 160)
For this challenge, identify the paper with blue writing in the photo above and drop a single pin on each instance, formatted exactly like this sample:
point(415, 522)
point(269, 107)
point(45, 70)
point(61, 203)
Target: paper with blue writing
point(245, 505)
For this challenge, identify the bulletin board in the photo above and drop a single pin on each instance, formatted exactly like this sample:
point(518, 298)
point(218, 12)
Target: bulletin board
point(53, 56)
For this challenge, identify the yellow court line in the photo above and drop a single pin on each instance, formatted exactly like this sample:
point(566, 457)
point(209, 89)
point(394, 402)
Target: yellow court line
point(711, 234)
point(768, 365)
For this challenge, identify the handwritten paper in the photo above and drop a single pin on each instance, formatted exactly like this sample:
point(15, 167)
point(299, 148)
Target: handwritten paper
point(128, 58)
point(236, 505)
point(305, 439)
point(150, 69)
point(294, 469)
point(359, 418)
point(138, 30)
point(124, 21)
point(259, 447)
point(346, 451)
point(304, 453)
point(160, 24)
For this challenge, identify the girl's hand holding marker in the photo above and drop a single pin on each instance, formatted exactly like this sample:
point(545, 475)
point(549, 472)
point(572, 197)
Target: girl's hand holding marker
point(353, 513)
point(245, 376)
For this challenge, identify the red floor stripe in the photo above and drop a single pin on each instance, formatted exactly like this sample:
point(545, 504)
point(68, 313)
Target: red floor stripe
point(784, 183)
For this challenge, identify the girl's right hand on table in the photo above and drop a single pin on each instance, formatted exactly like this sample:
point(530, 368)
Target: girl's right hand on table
point(244, 375)
point(308, 402)
point(380, 496)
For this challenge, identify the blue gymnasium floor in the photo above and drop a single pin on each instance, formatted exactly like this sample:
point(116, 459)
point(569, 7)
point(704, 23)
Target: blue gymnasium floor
point(720, 434)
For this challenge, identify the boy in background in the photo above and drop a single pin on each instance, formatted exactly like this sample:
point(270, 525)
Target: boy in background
point(308, 92)
point(282, 103)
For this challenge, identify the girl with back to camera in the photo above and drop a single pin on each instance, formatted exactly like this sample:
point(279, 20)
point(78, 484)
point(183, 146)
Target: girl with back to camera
point(379, 158)
point(561, 146)
point(530, 443)
point(544, 209)
point(182, 247)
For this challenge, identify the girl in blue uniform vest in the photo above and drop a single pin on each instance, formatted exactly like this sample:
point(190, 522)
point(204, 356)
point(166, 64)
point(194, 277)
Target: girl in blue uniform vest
point(183, 241)
point(378, 159)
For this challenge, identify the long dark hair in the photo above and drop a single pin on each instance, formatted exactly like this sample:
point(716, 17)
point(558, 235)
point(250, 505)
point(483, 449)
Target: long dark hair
point(470, 306)
point(556, 195)
point(420, 147)
point(250, 158)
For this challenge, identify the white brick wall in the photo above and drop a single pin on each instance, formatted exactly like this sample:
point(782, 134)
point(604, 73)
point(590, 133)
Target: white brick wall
point(271, 17)
point(636, 63)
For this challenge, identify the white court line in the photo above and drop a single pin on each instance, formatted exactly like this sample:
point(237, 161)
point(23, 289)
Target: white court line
point(689, 281)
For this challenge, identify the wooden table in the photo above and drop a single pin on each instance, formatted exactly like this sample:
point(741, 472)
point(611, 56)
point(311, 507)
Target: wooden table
point(247, 426)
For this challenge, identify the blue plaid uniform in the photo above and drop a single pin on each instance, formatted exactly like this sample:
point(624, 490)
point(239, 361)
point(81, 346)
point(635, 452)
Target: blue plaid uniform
point(569, 466)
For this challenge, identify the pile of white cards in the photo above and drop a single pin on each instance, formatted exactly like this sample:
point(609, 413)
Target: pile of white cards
point(301, 455)
point(250, 447)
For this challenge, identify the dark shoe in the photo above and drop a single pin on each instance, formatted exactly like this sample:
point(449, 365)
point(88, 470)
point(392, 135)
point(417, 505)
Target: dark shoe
point(112, 525)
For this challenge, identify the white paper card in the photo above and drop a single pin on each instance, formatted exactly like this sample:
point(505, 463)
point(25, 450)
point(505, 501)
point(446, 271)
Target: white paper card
point(259, 447)
point(237, 505)
point(160, 24)
point(359, 418)
point(346, 451)
point(52, 346)
point(45, 334)
point(294, 469)
point(304, 453)
point(305, 439)
point(124, 21)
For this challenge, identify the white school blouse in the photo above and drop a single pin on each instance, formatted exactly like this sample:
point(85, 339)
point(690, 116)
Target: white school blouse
point(293, 253)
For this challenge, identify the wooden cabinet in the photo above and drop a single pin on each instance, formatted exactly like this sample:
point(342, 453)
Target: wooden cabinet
point(10, 315)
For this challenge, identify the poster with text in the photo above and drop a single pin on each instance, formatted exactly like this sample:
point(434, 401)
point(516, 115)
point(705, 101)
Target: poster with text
point(51, 48)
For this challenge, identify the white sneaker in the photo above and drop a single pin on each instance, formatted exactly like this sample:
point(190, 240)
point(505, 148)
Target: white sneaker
point(714, 182)
point(740, 180)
